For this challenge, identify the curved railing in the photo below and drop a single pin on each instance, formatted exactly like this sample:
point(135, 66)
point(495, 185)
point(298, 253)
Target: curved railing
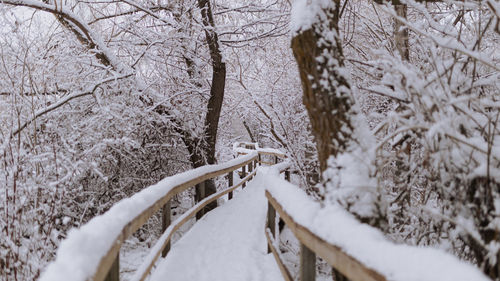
point(92, 252)
point(355, 251)
point(346, 266)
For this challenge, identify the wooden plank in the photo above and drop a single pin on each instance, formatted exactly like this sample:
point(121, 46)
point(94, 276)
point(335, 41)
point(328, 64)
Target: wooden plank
point(165, 222)
point(280, 155)
point(270, 244)
point(200, 195)
point(333, 255)
point(266, 163)
point(107, 260)
point(114, 271)
point(338, 276)
point(244, 174)
point(191, 212)
point(230, 183)
point(271, 222)
point(287, 175)
point(307, 264)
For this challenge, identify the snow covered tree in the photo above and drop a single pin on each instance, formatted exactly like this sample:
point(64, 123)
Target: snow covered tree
point(434, 158)
point(92, 115)
point(337, 125)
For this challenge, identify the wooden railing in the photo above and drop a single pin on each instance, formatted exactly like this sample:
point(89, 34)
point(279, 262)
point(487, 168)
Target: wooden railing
point(242, 148)
point(108, 267)
point(344, 266)
point(355, 251)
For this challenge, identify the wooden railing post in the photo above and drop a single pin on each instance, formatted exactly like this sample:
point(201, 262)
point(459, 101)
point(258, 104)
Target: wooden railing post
point(287, 175)
point(200, 195)
point(260, 160)
point(230, 183)
point(271, 222)
point(244, 173)
point(250, 168)
point(275, 159)
point(114, 271)
point(307, 264)
point(165, 222)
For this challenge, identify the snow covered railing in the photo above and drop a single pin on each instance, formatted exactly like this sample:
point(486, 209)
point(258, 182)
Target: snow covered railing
point(243, 148)
point(356, 251)
point(92, 251)
point(164, 241)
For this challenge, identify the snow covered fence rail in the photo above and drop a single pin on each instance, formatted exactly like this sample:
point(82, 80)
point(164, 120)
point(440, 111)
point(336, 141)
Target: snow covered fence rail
point(356, 251)
point(242, 148)
point(246, 147)
point(91, 252)
point(164, 241)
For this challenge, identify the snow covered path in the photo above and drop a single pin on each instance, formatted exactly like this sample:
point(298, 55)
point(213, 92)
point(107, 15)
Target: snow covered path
point(228, 243)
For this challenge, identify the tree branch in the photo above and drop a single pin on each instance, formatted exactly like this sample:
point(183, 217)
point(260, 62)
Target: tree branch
point(63, 101)
point(77, 26)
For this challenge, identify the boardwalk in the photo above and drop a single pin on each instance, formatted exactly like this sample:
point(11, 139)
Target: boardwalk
point(226, 244)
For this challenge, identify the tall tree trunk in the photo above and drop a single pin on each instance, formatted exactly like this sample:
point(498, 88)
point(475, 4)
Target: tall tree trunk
point(216, 92)
point(202, 151)
point(401, 33)
point(334, 116)
point(326, 91)
point(218, 80)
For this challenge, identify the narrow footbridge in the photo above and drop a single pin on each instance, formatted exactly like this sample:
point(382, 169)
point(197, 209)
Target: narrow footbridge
point(239, 239)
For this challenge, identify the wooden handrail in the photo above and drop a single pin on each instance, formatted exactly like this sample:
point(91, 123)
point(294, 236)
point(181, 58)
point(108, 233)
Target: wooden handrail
point(106, 261)
point(243, 147)
point(141, 219)
point(333, 255)
point(163, 241)
point(273, 247)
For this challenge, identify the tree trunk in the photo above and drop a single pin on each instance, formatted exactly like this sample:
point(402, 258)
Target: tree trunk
point(327, 94)
point(216, 92)
point(218, 80)
point(202, 151)
point(401, 33)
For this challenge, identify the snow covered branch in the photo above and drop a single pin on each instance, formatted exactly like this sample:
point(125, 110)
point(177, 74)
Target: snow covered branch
point(74, 23)
point(65, 100)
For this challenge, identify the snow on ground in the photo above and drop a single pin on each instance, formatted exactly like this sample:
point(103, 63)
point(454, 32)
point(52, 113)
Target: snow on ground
point(131, 254)
point(228, 243)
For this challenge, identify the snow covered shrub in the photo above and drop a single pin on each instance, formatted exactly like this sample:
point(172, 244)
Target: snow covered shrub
point(431, 176)
point(60, 168)
point(438, 150)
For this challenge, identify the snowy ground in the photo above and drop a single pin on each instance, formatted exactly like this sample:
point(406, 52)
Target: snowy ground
point(226, 244)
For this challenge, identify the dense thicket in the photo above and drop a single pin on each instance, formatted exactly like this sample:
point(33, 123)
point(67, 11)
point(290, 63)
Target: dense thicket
point(101, 99)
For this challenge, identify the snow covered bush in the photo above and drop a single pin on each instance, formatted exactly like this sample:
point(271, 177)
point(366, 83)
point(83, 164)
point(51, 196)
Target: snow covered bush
point(443, 133)
point(429, 88)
